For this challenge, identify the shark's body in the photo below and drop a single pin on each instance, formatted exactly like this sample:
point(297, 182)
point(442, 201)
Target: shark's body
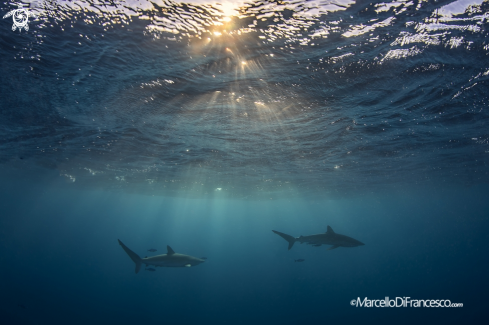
point(170, 259)
point(328, 238)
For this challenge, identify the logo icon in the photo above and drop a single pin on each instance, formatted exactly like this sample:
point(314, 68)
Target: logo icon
point(20, 17)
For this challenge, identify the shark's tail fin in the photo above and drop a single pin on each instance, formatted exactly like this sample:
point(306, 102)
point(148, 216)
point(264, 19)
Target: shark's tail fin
point(288, 238)
point(134, 257)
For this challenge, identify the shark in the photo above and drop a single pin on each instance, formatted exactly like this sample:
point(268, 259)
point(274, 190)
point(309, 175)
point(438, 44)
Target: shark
point(328, 238)
point(170, 259)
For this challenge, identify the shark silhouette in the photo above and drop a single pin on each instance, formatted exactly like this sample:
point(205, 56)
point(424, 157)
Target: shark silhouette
point(328, 238)
point(170, 259)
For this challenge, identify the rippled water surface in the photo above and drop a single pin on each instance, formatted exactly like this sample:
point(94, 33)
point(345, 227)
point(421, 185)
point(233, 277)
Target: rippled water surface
point(247, 99)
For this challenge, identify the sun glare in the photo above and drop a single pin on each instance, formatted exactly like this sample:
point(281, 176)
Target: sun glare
point(228, 10)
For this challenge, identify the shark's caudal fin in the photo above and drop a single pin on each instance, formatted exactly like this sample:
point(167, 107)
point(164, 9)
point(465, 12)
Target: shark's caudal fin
point(134, 257)
point(288, 238)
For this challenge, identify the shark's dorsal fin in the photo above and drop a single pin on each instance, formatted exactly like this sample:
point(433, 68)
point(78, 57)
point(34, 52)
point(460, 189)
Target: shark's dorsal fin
point(330, 230)
point(170, 251)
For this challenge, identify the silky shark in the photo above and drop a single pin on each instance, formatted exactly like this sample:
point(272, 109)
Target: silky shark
point(328, 238)
point(170, 259)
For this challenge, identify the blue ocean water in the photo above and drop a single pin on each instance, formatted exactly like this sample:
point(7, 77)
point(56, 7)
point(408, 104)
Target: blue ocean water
point(205, 125)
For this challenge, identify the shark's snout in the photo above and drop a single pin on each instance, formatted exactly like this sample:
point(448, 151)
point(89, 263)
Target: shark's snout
point(198, 261)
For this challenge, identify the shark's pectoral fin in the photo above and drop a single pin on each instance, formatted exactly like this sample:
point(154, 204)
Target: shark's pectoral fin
point(188, 265)
point(333, 247)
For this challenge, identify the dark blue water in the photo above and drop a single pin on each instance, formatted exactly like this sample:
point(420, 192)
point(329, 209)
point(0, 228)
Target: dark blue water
point(204, 126)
